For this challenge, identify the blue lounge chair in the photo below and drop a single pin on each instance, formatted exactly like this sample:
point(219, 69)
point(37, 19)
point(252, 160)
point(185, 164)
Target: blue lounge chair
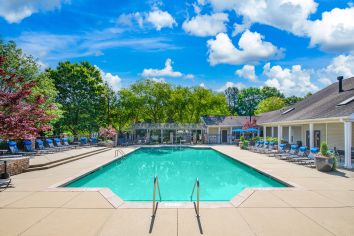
point(15, 151)
point(292, 152)
point(93, 141)
point(84, 141)
point(299, 156)
point(260, 146)
point(270, 148)
point(51, 145)
point(264, 148)
point(58, 144)
point(66, 143)
point(256, 145)
point(40, 146)
point(281, 150)
point(28, 148)
point(310, 159)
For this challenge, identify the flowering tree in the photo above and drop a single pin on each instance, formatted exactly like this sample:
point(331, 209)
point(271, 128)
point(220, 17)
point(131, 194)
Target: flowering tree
point(250, 123)
point(108, 132)
point(21, 115)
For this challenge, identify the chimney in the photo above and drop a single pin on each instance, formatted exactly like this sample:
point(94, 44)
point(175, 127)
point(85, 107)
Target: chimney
point(340, 83)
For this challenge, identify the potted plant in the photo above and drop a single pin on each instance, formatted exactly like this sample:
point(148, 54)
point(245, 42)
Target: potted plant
point(324, 160)
point(242, 139)
point(245, 145)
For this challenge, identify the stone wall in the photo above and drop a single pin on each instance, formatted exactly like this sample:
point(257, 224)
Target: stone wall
point(16, 166)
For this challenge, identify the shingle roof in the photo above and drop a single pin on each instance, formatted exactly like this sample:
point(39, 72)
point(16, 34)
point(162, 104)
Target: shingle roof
point(224, 120)
point(322, 104)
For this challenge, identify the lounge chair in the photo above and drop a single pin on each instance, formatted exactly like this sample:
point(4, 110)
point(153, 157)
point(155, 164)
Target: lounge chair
point(291, 153)
point(66, 143)
point(51, 145)
point(264, 148)
point(299, 156)
point(310, 159)
point(270, 148)
point(255, 146)
point(28, 148)
point(14, 149)
point(281, 150)
point(93, 140)
point(58, 144)
point(40, 147)
point(260, 146)
point(84, 141)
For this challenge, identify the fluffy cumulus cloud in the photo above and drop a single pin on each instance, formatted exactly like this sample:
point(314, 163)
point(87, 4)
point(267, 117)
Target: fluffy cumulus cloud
point(252, 48)
point(342, 65)
point(335, 31)
point(167, 71)
point(14, 11)
point(294, 81)
point(206, 25)
point(160, 19)
point(288, 15)
point(230, 85)
point(131, 18)
point(114, 81)
point(248, 72)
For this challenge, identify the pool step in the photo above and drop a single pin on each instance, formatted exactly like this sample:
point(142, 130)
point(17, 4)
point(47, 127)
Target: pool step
point(63, 161)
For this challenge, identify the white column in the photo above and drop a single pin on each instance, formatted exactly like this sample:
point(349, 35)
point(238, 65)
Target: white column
point(264, 133)
point(348, 144)
point(311, 135)
point(272, 131)
point(230, 135)
point(259, 131)
point(280, 134)
point(219, 136)
point(290, 135)
point(327, 133)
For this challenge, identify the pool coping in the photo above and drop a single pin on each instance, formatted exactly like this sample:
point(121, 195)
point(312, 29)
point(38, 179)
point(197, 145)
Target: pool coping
point(117, 202)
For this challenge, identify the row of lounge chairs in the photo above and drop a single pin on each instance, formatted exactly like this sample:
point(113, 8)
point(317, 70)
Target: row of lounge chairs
point(296, 154)
point(46, 146)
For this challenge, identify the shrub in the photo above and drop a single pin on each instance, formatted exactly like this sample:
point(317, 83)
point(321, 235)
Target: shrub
point(242, 138)
point(324, 149)
point(245, 144)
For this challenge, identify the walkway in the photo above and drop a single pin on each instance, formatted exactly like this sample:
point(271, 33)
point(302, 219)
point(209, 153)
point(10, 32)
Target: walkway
point(321, 204)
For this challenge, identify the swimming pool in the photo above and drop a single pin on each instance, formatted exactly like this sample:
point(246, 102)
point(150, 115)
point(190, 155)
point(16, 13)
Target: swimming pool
point(177, 168)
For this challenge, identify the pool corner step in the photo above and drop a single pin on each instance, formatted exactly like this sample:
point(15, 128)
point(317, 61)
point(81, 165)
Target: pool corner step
point(66, 160)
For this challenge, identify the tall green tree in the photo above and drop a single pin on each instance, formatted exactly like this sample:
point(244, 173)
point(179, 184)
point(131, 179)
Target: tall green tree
point(231, 94)
point(270, 104)
point(81, 92)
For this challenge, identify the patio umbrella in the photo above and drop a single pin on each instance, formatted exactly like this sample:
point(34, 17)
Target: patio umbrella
point(238, 130)
point(252, 130)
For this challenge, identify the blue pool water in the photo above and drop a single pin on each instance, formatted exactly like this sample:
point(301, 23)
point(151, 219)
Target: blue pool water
point(177, 168)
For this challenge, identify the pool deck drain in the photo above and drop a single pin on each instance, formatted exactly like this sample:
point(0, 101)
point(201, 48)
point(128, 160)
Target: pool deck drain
point(319, 204)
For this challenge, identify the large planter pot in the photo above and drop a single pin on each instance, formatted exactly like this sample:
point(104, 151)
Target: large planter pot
point(240, 144)
point(324, 164)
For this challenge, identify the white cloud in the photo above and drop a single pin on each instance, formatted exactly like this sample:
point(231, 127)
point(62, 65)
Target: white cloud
point(252, 49)
point(114, 81)
point(334, 32)
point(202, 85)
point(342, 65)
point(51, 48)
point(248, 72)
point(167, 71)
point(231, 85)
point(160, 19)
point(130, 19)
point(14, 11)
point(289, 15)
point(206, 25)
point(294, 81)
point(189, 76)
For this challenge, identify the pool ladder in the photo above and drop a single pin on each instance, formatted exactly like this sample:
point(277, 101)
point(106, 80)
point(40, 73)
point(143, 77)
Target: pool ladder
point(154, 203)
point(196, 205)
point(119, 151)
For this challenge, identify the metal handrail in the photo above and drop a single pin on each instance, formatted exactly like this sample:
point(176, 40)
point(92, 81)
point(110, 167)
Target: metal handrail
point(198, 195)
point(156, 186)
point(119, 151)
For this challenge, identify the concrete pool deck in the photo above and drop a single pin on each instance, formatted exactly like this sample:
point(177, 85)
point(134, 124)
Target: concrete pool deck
point(320, 204)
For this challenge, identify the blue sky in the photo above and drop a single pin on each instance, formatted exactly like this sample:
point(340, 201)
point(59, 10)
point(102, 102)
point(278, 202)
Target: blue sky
point(298, 46)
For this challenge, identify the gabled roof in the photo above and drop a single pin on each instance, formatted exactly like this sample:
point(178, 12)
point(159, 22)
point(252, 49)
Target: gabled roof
point(322, 104)
point(224, 120)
